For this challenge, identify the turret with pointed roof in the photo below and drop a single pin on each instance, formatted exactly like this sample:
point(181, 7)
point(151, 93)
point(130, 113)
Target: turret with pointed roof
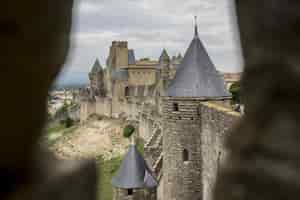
point(197, 75)
point(196, 80)
point(133, 174)
point(164, 57)
point(96, 77)
point(97, 67)
point(179, 57)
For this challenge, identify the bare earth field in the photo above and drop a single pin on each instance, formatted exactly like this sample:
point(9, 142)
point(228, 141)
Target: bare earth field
point(95, 137)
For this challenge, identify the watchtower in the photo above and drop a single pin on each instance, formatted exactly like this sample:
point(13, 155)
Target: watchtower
point(96, 77)
point(196, 80)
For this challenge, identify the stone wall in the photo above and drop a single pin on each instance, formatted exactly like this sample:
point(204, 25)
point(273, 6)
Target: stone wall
point(216, 122)
point(181, 149)
point(140, 76)
point(160, 190)
point(118, 54)
point(197, 127)
point(87, 108)
point(104, 106)
point(147, 126)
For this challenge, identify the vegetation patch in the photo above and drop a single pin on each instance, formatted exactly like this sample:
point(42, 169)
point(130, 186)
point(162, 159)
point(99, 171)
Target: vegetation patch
point(140, 145)
point(106, 170)
point(55, 132)
point(128, 131)
point(235, 90)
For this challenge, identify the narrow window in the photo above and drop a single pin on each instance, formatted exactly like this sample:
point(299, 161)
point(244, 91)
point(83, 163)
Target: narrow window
point(199, 111)
point(175, 107)
point(126, 91)
point(185, 155)
point(130, 192)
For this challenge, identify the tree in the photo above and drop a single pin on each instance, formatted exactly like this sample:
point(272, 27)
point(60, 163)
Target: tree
point(128, 131)
point(235, 90)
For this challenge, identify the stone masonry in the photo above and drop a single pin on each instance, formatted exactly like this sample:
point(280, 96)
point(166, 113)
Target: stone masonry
point(181, 135)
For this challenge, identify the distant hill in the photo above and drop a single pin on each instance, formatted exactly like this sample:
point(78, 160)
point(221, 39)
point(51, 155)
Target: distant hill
point(71, 80)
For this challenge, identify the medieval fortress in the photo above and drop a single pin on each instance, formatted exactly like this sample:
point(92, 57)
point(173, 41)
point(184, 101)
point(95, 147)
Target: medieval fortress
point(180, 106)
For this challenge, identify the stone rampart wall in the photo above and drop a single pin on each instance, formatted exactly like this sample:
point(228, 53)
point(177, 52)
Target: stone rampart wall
point(217, 122)
point(86, 109)
point(104, 106)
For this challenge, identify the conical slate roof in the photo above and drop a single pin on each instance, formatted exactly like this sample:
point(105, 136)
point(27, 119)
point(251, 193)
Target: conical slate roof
point(164, 57)
point(134, 172)
point(96, 67)
point(196, 75)
point(179, 56)
point(131, 57)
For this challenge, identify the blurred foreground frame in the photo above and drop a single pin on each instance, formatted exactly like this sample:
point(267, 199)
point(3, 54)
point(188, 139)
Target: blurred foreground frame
point(264, 160)
point(34, 37)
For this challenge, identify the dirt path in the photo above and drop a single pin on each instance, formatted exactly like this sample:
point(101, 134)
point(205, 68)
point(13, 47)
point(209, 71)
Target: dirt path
point(96, 137)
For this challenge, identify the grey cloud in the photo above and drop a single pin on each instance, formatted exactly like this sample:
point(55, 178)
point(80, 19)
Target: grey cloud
point(149, 26)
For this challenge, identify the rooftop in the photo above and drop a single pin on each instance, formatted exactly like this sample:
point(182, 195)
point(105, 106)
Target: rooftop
point(134, 172)
point(197, 75)
point(96, 67)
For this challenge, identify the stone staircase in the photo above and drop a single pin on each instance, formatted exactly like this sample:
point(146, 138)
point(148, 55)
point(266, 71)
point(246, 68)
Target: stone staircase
point(153, 138)
point(157, 167)
point(153, 152)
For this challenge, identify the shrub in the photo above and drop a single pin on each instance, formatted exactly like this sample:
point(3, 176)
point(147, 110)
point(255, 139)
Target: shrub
point(68, 122)
point(235, 91)
point(128, 131)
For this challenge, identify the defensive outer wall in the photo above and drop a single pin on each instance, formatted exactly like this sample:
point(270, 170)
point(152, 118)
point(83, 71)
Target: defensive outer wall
point(214, 123)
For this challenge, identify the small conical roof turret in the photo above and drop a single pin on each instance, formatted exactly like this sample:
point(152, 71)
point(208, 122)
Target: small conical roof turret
point(164, 57)
point(97, 67)
point(179, 57)
point(134, 172)
point(197, 75)
point(131, 57)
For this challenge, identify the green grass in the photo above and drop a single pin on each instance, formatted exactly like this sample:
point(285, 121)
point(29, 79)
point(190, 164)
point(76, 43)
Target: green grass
point(106, 170)
point(140, 145)
point(56, 128)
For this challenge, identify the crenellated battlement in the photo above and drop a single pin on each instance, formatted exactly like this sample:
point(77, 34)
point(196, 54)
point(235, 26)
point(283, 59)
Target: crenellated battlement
point(121, 44)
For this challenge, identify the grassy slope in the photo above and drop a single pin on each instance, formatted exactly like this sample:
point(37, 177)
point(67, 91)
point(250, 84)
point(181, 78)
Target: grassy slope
point(56, 132)
point(107, 170)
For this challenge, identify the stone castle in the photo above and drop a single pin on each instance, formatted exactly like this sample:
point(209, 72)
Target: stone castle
point(180, 107)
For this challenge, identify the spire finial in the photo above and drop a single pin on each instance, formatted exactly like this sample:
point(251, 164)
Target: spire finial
point(196, 27)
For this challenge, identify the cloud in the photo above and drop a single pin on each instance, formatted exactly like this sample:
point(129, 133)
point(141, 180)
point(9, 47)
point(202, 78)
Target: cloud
point(149, 26)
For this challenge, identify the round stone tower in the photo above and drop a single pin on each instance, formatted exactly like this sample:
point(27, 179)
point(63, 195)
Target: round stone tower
point(196, 80)
point(182, 149)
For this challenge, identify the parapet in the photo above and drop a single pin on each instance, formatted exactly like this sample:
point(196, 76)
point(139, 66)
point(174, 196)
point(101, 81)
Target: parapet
point(122, 44)
point(220, 108)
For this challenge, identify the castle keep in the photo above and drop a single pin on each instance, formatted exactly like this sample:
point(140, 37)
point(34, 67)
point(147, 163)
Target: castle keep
point(180, 107)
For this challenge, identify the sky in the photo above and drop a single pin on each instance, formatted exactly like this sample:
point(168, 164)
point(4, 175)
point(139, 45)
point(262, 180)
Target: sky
point(149, 26)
